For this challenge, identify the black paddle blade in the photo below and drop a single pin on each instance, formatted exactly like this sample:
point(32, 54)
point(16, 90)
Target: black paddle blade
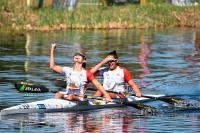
point(145, 108)
point(59, 83)
point(171, 100)
point(30, 87)
point(139, 105)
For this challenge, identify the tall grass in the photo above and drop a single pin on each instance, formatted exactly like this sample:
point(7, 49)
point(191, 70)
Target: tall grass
point(155, 13)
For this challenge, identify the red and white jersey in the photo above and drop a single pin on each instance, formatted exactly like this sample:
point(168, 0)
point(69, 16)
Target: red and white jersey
point(115, 79)
point(76, 80)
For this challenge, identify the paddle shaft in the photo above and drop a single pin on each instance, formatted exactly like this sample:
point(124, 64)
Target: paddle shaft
point(124, 101)
point(167, 99)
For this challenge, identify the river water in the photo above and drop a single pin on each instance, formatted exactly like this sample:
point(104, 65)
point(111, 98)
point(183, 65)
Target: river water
point(165, 61)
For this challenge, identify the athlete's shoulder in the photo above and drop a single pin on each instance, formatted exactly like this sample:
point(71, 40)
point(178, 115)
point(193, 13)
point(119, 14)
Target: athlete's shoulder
point(67, 69)
point(88, 71)
point(123, 68)
point(127, 74)
point(90, 75)
point(103, 70)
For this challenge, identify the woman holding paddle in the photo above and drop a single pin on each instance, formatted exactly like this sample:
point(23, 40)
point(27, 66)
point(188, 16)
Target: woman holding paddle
point(76, 77)
point(114, 77)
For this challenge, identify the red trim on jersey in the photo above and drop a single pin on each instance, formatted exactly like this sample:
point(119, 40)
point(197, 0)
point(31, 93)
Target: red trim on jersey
point(90, 76)
point(127, 74)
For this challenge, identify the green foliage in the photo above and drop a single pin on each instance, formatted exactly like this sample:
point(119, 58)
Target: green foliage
point(156, 1)
point(155, 13)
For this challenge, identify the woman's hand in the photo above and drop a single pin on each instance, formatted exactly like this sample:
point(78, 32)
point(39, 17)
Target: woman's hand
point(138, 94)
point(107, 59)
point(107, 98)
point(53, 45)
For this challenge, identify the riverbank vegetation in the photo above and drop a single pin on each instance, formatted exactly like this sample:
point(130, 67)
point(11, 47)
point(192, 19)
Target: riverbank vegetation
point(16, 16)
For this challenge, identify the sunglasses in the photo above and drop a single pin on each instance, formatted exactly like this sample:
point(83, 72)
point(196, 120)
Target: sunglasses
point(110, 61)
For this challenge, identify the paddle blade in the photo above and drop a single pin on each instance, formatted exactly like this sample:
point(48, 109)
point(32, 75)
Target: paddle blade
point(139, 105)
point(171, 100)
point(59, 83)
point(145, 108)
point(30, 88)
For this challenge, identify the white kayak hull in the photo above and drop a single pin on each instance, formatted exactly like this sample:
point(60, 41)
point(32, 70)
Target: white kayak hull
point(60, 105)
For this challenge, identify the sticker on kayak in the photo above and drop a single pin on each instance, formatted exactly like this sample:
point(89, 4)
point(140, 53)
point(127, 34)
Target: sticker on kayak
point(41, 106)
point(24, 106)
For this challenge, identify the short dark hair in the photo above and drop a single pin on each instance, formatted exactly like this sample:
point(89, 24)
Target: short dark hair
point(114, 54)
point(82, 55)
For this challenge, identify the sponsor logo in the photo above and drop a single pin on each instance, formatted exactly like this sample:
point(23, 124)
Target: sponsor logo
point(32, 89)
point(41, 106)
point(24, 106)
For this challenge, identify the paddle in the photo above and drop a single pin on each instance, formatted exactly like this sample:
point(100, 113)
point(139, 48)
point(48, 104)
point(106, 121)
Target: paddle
point(59, 82)
point(31, 87)
point(36, 88)
point(167, 99)
point(23, 86)
point(124, 101)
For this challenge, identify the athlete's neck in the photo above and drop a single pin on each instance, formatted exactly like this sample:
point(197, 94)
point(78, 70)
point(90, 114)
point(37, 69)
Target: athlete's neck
point(77, 67)
point(114, 68)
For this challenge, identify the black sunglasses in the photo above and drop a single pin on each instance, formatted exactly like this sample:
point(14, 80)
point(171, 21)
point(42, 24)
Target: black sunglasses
point(110, 61)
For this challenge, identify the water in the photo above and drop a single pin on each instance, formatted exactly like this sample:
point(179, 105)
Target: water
point(165, 61)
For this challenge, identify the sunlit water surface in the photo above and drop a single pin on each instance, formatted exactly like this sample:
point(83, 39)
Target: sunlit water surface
point(165, 61)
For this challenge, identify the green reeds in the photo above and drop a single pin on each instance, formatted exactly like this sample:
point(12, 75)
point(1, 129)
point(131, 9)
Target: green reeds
point(128, 16)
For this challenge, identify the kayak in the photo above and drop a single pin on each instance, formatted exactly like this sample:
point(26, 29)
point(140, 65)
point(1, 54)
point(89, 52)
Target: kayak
point(60, 105)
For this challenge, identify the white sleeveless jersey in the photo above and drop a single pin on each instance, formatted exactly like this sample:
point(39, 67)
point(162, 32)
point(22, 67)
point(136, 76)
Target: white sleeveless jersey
point(115, 79)
point(76, 80)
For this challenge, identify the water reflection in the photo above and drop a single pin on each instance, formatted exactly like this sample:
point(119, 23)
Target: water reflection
point(195, 57)
point(145, 51)
point(27, 44)
point(109, 120)
point(165, 61)
point(116, 120)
